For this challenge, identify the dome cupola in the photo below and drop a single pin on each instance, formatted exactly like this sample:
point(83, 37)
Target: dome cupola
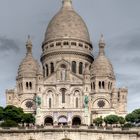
point(67, 24)
point(102, 66)
point(29, 67)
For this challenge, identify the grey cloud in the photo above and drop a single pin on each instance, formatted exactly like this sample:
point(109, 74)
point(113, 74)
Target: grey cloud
point(7, 44)
point(129, 41)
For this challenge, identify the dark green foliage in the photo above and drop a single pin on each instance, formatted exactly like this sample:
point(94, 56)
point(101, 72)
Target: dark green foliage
point(121, 121)
point(9, 123)
point(98, 121)
point(133, 117)
point(12, 116)
point(13, 113)
point(111, 119)
point(1, 113)
point(28, 118)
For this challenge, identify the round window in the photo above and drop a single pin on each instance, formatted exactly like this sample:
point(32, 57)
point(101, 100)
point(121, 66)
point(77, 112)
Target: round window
point(29, 104)
point(101, 103)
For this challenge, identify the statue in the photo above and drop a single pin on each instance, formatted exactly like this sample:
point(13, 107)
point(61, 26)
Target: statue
point(38, 101)
point(86, 101)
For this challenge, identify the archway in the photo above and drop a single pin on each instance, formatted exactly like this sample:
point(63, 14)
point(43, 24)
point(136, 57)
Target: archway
point(48, 121)
point(76, 121)
point(62, 120)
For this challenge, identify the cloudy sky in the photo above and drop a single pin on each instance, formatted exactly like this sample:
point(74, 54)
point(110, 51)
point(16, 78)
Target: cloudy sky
point(118, 20)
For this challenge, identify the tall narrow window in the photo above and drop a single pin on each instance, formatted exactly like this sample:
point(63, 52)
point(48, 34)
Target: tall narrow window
point(52, 67)
point(109, 85)
point(99, 85)
point(27, 85)
point(73, 66)
point(77, 102)
point(47, 71)
point(63, 90)
point(103, 85)
point(80, 68)
point(50, 103)
point(93, 85)
point(43, 71)
point(30, 85)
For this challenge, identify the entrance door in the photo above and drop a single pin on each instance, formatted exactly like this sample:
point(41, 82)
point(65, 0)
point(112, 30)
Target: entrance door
point(48, 121)
point(76, 121)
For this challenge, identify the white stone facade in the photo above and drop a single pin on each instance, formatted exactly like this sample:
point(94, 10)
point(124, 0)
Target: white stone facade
point(70, 87)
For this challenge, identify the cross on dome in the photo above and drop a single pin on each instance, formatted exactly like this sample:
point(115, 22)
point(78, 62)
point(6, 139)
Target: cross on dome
point(101, 45)
point(29, 45)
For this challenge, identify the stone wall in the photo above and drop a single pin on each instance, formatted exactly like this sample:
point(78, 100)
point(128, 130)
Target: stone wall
point(72, 134)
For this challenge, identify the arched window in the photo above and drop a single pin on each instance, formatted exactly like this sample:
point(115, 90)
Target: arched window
point(63, 90)
point(109, 85)
point(43, 71)
point(93, 85)
point(27, 85)
point(52, 67)
point(100, 85)
point(80, 68)
point(73, 66)
point(50, 103)
point(77, 102)
point(47, 70)
point(103, 85)
point(30, 85)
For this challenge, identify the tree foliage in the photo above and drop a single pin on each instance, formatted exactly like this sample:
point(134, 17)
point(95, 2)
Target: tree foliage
point(98, 121)
point(12, 116)
point(111, 119)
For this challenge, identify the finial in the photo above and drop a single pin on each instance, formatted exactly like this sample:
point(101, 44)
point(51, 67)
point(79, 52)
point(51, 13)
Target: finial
point(29, 45)
point(101, 45)
point(67, 4)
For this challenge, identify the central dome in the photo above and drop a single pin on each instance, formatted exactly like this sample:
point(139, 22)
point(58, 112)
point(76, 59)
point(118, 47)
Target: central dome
point(67, 24)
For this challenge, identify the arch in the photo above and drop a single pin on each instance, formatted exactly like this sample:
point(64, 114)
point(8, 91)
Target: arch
point(80, 68)
point(73, 66)
point(76, 120)
point(62, 120)
point(52, 67)
point(48, 120)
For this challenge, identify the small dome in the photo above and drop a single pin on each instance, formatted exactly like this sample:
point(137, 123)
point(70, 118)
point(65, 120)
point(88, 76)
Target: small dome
point(67, 24)
point(102, 65)
point(29, 67)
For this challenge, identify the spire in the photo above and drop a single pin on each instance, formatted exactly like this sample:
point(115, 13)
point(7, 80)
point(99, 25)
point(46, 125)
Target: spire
point(101, 45)
point(67, 4)
point(29, 45)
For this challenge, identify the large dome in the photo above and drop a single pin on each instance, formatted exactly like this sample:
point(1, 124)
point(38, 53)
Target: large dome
point(67, 24)
point(102, 65)
point(29, 67)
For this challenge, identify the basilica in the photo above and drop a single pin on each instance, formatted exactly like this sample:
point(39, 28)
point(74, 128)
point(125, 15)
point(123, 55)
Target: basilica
point(71, 87)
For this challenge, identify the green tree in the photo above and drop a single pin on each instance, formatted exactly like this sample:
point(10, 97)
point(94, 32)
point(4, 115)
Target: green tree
point(111, 119)
point(131, 117)
point(1, 113)
point(13, 113)
point(28, 118)
point(9, 123)
point(121, 121)
point(98, 121)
